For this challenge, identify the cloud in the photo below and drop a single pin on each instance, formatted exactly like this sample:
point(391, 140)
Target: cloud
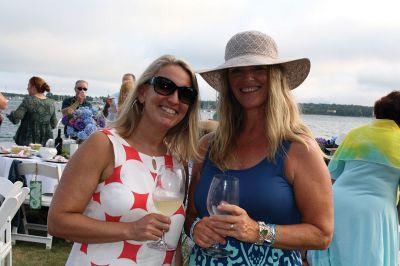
point(352, 44)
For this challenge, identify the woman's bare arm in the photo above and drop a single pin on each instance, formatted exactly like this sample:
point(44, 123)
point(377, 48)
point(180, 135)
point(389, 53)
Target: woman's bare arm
point(93, 162)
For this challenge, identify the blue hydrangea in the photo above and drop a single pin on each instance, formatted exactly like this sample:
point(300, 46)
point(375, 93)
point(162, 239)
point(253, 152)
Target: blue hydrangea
point(71, 131)
point(88, 120)
point(90, 128)
point(83, 122)
point(82, 135)
point(80, 125)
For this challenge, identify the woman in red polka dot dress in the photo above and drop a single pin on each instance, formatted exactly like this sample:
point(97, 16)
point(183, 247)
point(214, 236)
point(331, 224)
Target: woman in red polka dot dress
point(103, 202)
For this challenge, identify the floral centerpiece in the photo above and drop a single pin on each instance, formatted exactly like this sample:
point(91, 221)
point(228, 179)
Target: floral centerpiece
point(327, 145)
point(82, 123)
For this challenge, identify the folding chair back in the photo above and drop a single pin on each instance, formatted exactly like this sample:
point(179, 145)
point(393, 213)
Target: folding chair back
point(14, 196)
point(37, 169)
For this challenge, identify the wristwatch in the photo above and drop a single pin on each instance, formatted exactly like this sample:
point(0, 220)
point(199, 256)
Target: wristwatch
point(266, 234)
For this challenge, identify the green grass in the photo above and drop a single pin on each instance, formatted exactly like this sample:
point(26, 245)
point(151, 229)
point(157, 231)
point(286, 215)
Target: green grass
point(35, 254)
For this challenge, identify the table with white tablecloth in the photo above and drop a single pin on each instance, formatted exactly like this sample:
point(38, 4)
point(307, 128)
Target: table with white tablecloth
point(48, 184)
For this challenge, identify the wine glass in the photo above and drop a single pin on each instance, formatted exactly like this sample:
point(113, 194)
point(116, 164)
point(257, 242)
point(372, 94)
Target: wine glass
point(168, 196)
point(223, 188)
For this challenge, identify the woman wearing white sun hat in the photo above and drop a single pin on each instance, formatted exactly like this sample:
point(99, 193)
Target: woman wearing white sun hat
point(285, 191)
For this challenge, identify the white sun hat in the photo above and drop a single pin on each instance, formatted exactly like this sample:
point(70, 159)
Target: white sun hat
point(253, 48)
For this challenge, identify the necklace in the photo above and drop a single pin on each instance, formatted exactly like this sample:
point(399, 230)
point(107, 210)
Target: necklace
point(154, 162)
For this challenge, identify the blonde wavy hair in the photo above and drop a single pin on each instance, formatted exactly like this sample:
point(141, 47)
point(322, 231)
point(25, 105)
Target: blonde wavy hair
point(282, 116)
point(182, 139)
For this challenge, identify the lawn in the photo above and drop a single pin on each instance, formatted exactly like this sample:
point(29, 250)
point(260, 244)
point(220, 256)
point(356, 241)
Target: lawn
point(34, 254)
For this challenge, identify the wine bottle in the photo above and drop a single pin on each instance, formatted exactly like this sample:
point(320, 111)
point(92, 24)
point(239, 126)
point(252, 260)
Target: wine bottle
point(58, 142)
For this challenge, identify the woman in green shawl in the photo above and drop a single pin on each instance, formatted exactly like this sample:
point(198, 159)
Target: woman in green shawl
point(366, 168)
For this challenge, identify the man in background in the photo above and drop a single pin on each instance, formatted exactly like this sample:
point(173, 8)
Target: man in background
point(3, 105)
point(69, 105)
point(128, 77)
point(110, 109)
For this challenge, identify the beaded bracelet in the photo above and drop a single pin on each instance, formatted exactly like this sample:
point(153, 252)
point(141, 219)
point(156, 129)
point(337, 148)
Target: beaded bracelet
point(192, 227)
point(273, 233)
point(267, 234)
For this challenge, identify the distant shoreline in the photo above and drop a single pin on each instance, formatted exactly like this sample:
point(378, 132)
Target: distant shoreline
point(349, 110)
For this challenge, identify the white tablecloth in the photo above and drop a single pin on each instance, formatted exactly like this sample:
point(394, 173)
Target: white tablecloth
point(48, 184)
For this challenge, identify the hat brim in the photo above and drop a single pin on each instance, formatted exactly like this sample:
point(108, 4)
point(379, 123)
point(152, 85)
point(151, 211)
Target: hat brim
point(296, 69)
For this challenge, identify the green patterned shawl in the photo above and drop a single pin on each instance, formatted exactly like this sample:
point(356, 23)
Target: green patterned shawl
point(377, 142)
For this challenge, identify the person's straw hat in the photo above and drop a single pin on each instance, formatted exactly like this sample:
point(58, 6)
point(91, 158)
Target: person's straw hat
point(253, 48)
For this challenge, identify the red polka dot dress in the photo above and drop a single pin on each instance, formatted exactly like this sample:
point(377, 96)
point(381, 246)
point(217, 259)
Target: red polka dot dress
point(125, 196)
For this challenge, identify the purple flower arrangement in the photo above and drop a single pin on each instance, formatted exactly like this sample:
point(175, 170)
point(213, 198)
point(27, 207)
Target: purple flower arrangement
point(326, 143)
point(82, 123)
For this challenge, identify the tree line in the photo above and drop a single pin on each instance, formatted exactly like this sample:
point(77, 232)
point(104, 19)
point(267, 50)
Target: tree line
point(306, 108)
point(319, 109)
point(337, 109)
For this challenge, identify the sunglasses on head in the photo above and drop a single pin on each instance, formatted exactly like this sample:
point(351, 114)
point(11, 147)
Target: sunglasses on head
point(81, 88)
point(164, 86)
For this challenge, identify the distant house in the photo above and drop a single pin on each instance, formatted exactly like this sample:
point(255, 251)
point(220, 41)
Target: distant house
point(331, 111)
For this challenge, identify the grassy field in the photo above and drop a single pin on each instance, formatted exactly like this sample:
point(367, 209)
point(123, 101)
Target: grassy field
point(34, 254)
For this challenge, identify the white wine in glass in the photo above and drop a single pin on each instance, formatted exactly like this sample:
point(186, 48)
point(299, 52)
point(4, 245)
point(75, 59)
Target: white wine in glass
point(223, 188)
point(167, 205)
point(168, 195)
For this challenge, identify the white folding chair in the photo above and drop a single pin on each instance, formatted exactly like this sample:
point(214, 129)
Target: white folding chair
point(7, 188)
point(14, 196)
point(51, 171)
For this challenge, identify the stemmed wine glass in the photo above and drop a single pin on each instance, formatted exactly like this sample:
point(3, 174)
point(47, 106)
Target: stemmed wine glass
point(223, 188)
point(168, 196)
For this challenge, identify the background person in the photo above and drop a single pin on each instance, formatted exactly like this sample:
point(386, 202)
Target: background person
point(3, 105)
point(70, 104)
point(366, 170)
point(128, 77)
point(110, 109)
point(126, 88)
point(3, 102)
point(106, 206)
point(36, 113)
point(285, 188)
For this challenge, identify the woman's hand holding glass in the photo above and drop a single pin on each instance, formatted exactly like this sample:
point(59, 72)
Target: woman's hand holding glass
point(237, 224)
point(168, 196)
point(223, 189)
point(149, 228)
point(205, 236)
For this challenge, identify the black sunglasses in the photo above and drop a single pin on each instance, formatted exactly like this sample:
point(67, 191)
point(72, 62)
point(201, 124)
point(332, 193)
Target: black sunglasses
point(81, 88)
point(164, 86)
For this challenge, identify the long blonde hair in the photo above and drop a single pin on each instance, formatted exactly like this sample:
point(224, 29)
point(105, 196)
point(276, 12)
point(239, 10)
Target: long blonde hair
point(182, 139)
point(126, 87)
point(282, 116)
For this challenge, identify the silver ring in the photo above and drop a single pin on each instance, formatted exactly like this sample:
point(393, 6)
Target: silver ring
point(231, 227)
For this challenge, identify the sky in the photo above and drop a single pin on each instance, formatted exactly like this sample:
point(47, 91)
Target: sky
point(353, 45)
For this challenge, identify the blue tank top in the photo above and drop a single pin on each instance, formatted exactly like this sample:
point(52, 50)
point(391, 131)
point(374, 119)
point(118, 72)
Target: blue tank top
point(266, 196)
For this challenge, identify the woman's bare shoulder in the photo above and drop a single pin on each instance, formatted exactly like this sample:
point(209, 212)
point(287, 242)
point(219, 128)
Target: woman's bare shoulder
point(309, 146)
point(98, 143)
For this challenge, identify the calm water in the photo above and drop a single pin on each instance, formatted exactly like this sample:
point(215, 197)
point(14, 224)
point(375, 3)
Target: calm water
point(326, 126)
point(332, 126)
point(321, 125)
